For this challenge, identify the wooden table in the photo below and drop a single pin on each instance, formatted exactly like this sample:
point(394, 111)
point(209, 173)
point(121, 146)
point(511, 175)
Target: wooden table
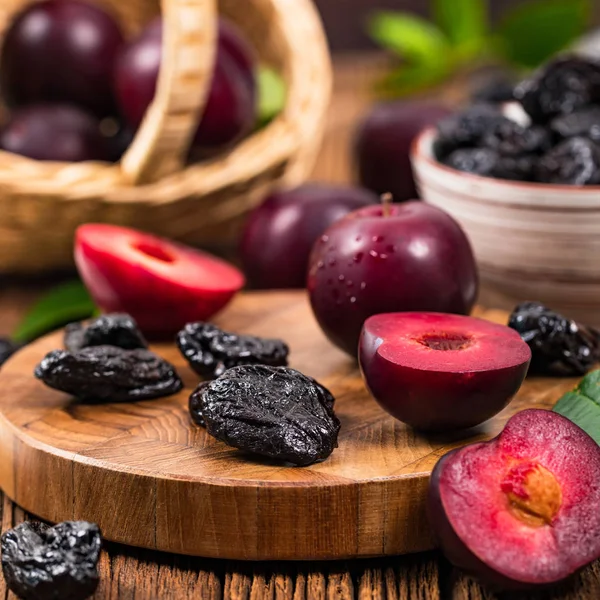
point(132, 574)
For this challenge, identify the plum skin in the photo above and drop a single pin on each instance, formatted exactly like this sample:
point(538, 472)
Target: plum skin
point(279, 234)
point(383, 144)
point(436, 401)
point(416, 259)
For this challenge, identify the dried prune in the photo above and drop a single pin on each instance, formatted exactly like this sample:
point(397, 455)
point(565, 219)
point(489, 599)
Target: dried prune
point(584, 122)
point(559, 346)
point(516, 168)
point(7, 349)
point(561, 87)
point(508, 138)
point(210, 351)
point(465, 129)
point(575, 161)
point(109, 374)
point(270, 411)
point(52, 563)
point(108, 330)
point(478, 161)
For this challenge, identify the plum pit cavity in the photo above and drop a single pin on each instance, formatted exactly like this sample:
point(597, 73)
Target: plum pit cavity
point(445, 341)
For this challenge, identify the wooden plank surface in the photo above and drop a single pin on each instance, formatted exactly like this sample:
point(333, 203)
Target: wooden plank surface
point(130, 574)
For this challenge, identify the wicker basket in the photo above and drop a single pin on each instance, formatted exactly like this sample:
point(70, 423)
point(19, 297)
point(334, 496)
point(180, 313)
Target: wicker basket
point(41, 203)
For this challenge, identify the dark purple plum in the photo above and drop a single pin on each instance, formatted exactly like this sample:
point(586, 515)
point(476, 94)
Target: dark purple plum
point(54, 132)
point(383, 143)
point(403, 257)
point(61, 51)
point(279, 235)
point(229, 113)
point(235, 45)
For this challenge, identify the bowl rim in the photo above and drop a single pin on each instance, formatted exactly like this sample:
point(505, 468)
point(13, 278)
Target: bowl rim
point(420, 151)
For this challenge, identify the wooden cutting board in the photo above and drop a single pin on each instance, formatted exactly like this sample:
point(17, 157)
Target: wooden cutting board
point(150, 478)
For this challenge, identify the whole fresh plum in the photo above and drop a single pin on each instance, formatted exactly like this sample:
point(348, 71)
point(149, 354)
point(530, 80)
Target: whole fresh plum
point(61, 51)
point(383, 143)
point(279, 235)
point(383, 259)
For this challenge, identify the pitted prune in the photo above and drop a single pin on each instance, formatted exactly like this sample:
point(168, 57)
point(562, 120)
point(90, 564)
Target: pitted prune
point(575, 161)
point(516, 168)
point(107, 330)
point(465, 129)
point(508, 138)
point(109, 374)
point(7, 349)
point(270, 411)
point(561, 87)
point(210, 351)
point(478, 161)
point(52, 563)
point(559, 346)
point(584, 123)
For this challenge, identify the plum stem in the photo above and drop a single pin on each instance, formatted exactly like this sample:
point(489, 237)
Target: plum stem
point(386, 200)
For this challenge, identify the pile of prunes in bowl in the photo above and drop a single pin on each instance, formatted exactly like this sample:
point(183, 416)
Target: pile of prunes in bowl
point(557, 140)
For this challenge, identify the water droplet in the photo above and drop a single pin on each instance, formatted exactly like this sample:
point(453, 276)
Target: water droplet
point(378, 238)
point(320, 264)
point(332, 262)
point(350, 283)
point(358, 257)
point(374, 254)
point(358, 238)
point(353, 299)
point(383, 256)
point(324, 238)
point(363, 285)
point(341, 277)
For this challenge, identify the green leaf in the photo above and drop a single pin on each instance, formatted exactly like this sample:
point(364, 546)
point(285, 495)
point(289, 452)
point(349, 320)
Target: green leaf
point(409, 36)
point(534, 31)
point(64, 304)
point(463, 21)
point(271, 94)
point(408, 79)
point(582, 405)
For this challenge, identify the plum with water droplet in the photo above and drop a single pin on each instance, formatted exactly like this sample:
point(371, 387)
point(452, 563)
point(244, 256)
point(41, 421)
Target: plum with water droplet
point(383, 143)
point(380, 259)
point(279, 235)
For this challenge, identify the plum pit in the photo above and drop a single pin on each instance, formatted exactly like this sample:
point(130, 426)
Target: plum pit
point(533, 493)
point(445, 341)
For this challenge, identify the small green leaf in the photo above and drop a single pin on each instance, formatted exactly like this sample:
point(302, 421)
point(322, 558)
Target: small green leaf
point(271, 94)
point(409, 36)
point(463, 21)
point(582, 405)
point(64, 304)
point(534, 31)
point(408, 79)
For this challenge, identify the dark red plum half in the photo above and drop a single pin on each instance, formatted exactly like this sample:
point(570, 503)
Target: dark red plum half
point(520, 511)
point(404, 257)
point(439, 372)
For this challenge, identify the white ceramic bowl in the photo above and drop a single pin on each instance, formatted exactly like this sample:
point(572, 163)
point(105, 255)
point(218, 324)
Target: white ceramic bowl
point(532, 241)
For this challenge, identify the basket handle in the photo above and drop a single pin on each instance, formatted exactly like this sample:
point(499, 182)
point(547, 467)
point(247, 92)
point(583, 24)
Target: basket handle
point(188, 53)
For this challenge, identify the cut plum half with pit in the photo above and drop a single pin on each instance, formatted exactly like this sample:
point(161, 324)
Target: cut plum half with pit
point(441, 372)
point(520, 511)
point(162, 284)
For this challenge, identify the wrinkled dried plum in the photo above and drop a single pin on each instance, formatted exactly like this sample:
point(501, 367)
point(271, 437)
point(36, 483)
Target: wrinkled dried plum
point(576, 161)
point(52, 563)
point(559, 346)
point(561, 87)
point(109, 374)
point(271, 411)
point(108, 330)
point(584, 122)
point(465, 129)
point(210, 351)
point(516, 168)
point(195, 405)
point(7, 349)
point(478, 161)
point(508, 138)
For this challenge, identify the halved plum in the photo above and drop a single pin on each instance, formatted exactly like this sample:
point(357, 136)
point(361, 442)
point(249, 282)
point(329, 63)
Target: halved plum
point(520, 511)
point(161, 284)
point(440, 372)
